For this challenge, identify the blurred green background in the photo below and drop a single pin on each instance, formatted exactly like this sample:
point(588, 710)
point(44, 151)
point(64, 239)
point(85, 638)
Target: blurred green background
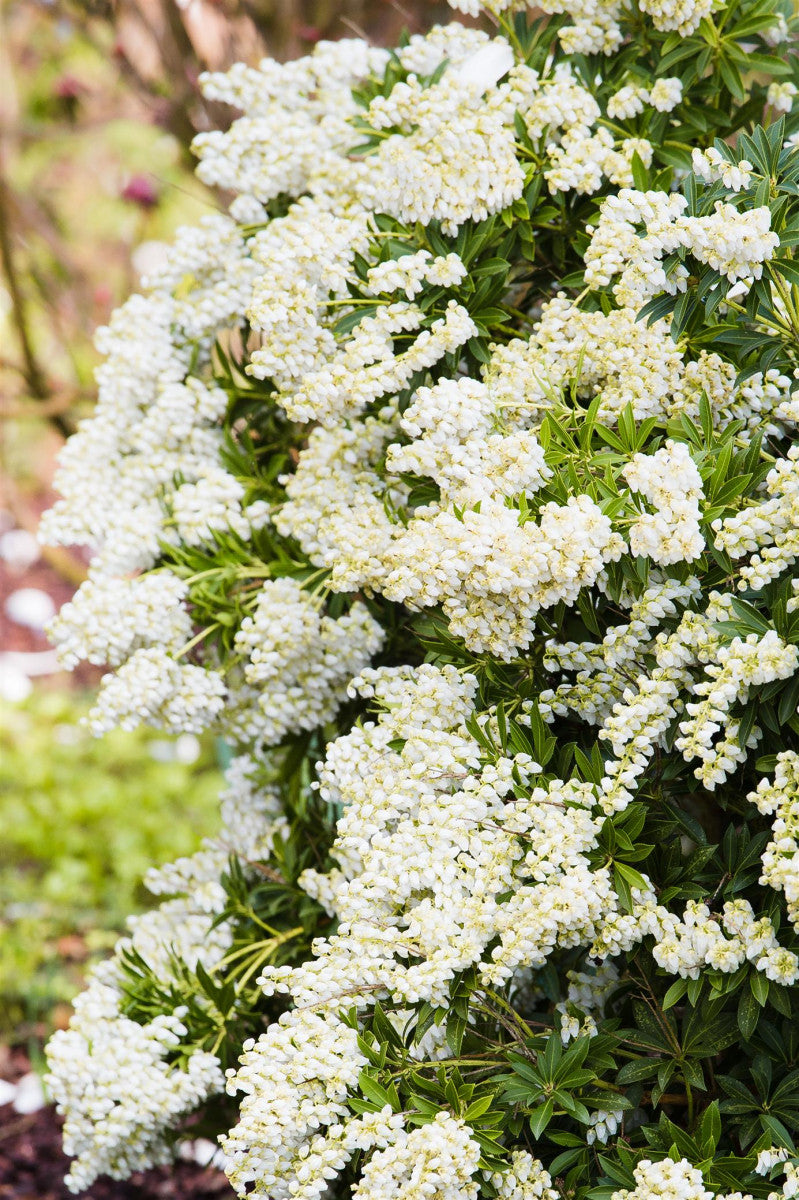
point(82, 820)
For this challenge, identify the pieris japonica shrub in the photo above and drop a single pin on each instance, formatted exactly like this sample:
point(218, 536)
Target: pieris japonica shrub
point(451, 479)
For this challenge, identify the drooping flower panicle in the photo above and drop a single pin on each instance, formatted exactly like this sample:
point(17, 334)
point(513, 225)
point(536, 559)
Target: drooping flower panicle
point(449, 479)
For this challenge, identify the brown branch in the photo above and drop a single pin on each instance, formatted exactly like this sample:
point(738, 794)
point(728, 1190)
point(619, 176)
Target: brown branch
point(59, 402)
point(18, 1126)
point(32, 372)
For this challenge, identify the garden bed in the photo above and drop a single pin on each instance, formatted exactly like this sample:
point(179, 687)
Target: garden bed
point(33, 1165)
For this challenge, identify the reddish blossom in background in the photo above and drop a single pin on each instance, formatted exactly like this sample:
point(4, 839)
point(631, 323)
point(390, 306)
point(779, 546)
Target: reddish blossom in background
point(141, 190)
point(69, 87)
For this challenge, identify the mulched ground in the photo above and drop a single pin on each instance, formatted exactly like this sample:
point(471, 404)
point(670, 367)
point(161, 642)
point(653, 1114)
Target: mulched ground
point(14, 636)
point(33, 1165)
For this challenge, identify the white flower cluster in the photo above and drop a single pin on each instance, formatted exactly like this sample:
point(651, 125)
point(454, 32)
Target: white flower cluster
point(298, 661)
point(790, 1184)
point(494, 572)
point(776, 1156)
point(698, 940)
point(670, 481)
point(490, 571)
point(150, 458)
point(146, 470)
point(337, 500)
point(111, 1073)
point(603, 669)
point(735, 244)
point(411, 272)
point(348, 287)
point(586, 993)
point(448, 122)
point(426, 846)
point(367, 366)
point(664, 95)
point(683, 16)
point(711, 165)
point(296, 1079)
point(295, 116)
point(595, 27)
point(118, 1080)
point(736, 668)
point(453, 442)
point(637, 722)
point(769, 1158)
point(780, 798)
point(525, 1179)
point(154, 687)
point(670, 1180)
point(766, 531)
point(645, 711)
point(609, 355)
point(210, 270)
point(782, 95)
point(109, 618)
point(435, 1162)
point(701, 939)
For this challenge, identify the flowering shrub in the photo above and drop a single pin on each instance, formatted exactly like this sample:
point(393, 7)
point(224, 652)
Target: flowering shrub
point(450, 478)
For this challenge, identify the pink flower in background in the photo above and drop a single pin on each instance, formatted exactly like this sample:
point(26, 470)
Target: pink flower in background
point(141, 190)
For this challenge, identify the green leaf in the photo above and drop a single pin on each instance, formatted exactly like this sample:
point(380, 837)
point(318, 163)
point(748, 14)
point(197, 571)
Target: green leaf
point(549, 1061)
point(606, 1100)
point(640, 172)
point(564, 1160)
point(693, 1073)
point(478, 1107)
point(372, 1090)
point(683, 311)
point(574, 1107)
point(776, 1130)
point(710, 1129)
point(634, 878)
point(622, 888)
point(749, 616)
point(634, 1072)
point(787, 268)
point(732, 77)
point(780, 998)
point(760, 987)
point(748, 1014)
point(717, 1036)
point(540, 1118)
point(526, 1070)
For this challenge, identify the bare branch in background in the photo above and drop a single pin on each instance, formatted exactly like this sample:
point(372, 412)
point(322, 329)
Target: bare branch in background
point(34, 375)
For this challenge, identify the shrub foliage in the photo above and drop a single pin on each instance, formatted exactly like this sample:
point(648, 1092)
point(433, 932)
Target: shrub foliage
point(451, 478)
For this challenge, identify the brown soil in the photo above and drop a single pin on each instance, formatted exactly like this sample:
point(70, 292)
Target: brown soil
point(33, 1165)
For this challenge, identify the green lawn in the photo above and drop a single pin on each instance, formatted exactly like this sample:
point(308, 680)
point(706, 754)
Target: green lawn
point(82, 819)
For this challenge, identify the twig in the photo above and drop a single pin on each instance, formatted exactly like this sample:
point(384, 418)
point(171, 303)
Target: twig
point(18, 1126)
point(14, 410)
point(33, 373)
